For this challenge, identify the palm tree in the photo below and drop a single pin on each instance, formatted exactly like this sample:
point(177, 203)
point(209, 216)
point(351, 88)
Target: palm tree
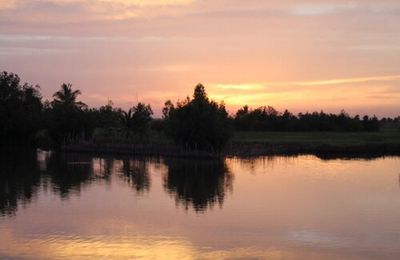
point(126, 118)
point(67, 96)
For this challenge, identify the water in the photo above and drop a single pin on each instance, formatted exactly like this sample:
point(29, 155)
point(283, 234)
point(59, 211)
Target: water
point(55, 206)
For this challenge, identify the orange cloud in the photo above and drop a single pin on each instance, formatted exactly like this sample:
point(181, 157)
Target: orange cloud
point(311, 95)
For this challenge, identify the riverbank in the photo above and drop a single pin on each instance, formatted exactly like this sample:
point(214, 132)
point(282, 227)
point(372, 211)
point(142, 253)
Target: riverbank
point(170, 150)
point(267, 143)
point(262, 143)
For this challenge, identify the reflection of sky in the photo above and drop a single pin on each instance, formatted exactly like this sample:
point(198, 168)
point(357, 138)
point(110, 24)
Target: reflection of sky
point(279, 207)
point(301, 55)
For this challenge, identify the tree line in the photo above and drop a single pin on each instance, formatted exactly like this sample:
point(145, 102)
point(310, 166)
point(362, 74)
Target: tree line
point(268, 119)
point(196, 123)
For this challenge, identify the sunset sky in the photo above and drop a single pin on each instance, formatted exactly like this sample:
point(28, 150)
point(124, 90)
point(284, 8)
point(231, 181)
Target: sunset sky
point(302, 55)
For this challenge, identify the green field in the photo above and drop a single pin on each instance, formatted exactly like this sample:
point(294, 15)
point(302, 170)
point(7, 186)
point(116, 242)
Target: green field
point(338, 139)
point(386, 142)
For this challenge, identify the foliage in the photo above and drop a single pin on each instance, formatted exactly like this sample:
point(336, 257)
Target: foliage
point(67, 97)
point(198, 124)
point(20, 110)
point(138, 118)
point(66, 116)
point(387, 139)
point(268, 119)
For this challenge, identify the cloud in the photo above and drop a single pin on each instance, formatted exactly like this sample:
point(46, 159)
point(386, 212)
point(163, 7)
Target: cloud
point(56, 38)
point(253, 86)
point(349, 93)
point(343, 81)
point(77, 11)
point(147, 2)
point(126, 3)
point(324, 8)
point(8, 4)
point(340, 81)
point(94, 10)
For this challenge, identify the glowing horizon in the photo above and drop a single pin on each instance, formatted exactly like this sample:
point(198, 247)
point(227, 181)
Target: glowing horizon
point(305, 55)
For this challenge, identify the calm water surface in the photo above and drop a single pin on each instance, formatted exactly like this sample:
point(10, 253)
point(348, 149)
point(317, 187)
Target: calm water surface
point(71, 206)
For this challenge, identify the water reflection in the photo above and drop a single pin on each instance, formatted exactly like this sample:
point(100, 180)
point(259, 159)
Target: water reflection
point(254, 164)
point(351, 156)
point(71, 206)
point(198, 183)
point(136, 173)
point(193, 184)
point(69, 173)
point(19, 179)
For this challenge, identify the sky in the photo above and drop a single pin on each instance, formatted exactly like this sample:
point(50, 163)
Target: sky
point(301, 55)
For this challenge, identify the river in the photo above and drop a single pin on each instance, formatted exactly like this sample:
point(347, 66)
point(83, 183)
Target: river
point(82, 206)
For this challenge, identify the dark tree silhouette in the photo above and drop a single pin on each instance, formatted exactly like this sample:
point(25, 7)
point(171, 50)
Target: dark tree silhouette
point(268, 119)
point(126, 119)
point(198, 124)
point(66, 117)
point(141, 117)
point(137, 120)
point(20, 110)
point(66, 96)
point(138, 117)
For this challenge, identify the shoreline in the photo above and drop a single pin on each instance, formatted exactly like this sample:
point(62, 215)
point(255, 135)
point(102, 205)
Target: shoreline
point(243, 150)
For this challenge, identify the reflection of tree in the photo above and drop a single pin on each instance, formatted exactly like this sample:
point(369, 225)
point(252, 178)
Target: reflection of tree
point(198, 183)
point(19, 179)
point(136, 173)
point(23, 173)
point(254, 165)
point(349, 156)
point(69, 172)
point(194, 183)
point(102, 168)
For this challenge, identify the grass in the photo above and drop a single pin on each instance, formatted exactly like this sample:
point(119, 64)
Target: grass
point(337, 139)
point(261, 143)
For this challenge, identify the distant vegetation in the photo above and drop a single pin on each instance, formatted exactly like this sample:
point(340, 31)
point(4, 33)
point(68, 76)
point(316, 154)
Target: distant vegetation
point(197, 123)
point(268, 119)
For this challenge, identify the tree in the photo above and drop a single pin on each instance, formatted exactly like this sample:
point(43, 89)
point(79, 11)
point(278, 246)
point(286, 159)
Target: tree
point(66, 116)
point(20, 110)
point(137, 118)
point(107, 116)
point(198, 124)
point(141, 117)
point(68, 97)
point(126, 119)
